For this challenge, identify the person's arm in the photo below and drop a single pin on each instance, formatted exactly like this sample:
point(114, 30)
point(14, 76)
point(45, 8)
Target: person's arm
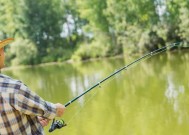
point(29, 103)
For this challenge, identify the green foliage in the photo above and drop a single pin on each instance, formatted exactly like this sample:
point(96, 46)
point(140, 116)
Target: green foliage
point(41, 22)
point(131, 22)
point(11, 17)
point(93, 10)
point(22, 52)
point(44, 20)
point(184, 21)
point(60, 30)
point(57, 54)
point(97, 48)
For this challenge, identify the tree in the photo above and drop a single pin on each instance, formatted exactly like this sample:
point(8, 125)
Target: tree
point(11, 18)
point(44, 24)
point(132, 21)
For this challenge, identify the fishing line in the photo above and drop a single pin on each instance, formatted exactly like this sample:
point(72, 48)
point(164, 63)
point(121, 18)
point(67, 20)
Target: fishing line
point(59, 124)
point(85, 103)
point(94, 94)
point(91, 97)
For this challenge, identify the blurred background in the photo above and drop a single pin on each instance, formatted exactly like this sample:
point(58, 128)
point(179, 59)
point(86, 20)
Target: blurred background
point(58, 30)
point(151, 98)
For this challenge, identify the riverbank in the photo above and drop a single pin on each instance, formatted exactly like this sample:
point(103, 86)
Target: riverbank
point(57, 63)
point(71, 61)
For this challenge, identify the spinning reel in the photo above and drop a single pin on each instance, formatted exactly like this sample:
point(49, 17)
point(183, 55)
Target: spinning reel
point(57, 124)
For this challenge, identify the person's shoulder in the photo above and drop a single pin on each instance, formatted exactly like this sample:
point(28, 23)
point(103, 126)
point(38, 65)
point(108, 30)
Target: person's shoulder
point(9, 80)
point(11, 85)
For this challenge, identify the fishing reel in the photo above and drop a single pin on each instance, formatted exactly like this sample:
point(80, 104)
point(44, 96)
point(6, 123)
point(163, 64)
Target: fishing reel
point(57, 124)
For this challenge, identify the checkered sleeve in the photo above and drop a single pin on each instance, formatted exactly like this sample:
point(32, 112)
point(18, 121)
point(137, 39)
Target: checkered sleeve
point(30, 103)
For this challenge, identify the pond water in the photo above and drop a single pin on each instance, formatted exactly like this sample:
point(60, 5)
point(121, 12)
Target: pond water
point(151, 98)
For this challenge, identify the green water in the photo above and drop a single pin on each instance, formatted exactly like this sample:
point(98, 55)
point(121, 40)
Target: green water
point(151, 98)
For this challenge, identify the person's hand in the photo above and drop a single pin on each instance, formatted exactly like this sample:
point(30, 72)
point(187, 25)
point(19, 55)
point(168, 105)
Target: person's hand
point(59, 109)
point(43, 121)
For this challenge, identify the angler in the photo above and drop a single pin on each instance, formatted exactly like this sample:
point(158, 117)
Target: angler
point(21, 110)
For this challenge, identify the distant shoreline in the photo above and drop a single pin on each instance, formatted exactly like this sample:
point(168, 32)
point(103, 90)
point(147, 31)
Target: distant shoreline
point(67, 61)
point(56, 63)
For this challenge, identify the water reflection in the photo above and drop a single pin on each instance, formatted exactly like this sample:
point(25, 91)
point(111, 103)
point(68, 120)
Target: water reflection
point(173, 91)
point(151, 98)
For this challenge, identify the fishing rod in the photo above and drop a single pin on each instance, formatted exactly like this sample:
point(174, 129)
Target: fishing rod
point(57, 124)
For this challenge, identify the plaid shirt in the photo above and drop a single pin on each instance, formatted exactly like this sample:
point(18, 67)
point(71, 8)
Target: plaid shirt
point(19, 108)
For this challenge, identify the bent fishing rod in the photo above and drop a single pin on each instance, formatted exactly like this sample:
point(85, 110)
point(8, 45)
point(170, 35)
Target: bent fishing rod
point(57, 124)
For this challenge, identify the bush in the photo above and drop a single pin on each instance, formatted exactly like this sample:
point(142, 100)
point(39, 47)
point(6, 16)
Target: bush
point(97, 48)
point(22, 52)
point(57, 54)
